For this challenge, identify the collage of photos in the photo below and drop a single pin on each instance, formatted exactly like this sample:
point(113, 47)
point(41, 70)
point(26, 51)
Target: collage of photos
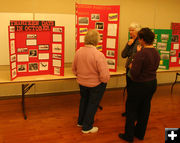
point(36, 56)
point(175, 50)
point(12, 51)
point(162, 43)
point(57, 49)
point(106, 23)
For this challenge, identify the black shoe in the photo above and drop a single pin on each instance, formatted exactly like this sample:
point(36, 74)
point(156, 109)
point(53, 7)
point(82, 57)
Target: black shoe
point(123, 136)
point(123, 114)
point(140, 138)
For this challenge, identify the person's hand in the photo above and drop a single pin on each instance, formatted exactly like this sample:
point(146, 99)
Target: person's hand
point(130, 65)
point(139, 47)
point(130, 42)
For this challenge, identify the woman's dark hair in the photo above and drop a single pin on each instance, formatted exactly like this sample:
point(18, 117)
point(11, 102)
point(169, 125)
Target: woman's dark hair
point(147, 35)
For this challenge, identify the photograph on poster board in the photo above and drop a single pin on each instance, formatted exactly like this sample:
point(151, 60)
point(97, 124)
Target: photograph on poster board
point(112, 30)
point(83, 20)
point(14, 73)
point(161, 46)
point(173, 53)
point(176, 46)
point(33, 67)
point(12, 35)
point(111, 43)
point(56, 71)
point(56, 56)
point(111, 63)
point(165, 56)
point(175, 38)
point(43, 66)
point(83, 30)
point(12, 43)
point(112, 17)
point(81, 39)
point(57, 37)
point(22, 50)
point(164, 36)
point(56, 63)
point(57, 30)
point(101, 38)
point(99, 47)
point(95, 16)
point(43, 56)
point(173, 59)
point(56, 48)
point(13, 58)
point(99, 25)
point(12, 29)
point(43, 47)
point(23, 58)
point(110, 53)
point(12, 46)
point(22, 68)
point(33, 53)
point(31, 36)
point(13, 65)
point(31, 42)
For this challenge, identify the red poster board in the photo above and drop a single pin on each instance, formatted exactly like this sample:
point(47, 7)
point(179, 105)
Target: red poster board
point(106, 20)
point(175, 51)
point(175, 28)
point(36, 48)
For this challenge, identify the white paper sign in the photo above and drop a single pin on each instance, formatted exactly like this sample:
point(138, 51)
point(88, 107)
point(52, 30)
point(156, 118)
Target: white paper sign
point(31, 42)
point(81, 39)
point(111, 43)
point(176, 46)
point(23, 58)
point(56, 63)
point(43, 56)
point(112, 30)
point(57, 38)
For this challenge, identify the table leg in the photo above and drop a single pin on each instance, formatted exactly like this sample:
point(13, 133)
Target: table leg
point(25, 88)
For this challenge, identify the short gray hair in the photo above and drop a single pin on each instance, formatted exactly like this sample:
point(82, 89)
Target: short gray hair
point(92, 37)
point(136, 26)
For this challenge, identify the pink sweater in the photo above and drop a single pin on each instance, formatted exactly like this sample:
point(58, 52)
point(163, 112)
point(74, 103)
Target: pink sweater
point(90, 66)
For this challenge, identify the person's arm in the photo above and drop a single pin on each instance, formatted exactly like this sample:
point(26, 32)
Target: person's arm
point(74, 65)
point(137, 65)
point(103, 68)
point(125, 53)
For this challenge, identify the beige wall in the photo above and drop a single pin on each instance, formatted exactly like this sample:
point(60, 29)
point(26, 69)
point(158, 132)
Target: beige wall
point(152, 13)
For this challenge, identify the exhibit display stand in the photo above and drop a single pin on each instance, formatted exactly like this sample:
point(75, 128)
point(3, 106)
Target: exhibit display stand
point(105, 19)
point(36, 48)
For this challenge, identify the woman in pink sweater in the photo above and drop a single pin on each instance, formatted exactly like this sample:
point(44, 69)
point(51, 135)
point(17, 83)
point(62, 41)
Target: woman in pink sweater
point(92, 73)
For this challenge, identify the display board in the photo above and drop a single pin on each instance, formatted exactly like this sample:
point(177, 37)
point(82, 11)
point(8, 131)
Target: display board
point(162, 43)
point(175, 28)
point(106, 20)
point(175, 51)
point(36, 48)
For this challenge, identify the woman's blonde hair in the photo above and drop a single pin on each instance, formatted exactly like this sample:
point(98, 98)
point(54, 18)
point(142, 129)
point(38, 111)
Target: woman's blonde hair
point(92, 37)
point(135, 26)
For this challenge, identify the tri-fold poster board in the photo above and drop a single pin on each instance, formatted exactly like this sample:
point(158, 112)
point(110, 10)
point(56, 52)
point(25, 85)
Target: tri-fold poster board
point(105, 19)
point(36, 48)
point(175, 45)
point(162, 43)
